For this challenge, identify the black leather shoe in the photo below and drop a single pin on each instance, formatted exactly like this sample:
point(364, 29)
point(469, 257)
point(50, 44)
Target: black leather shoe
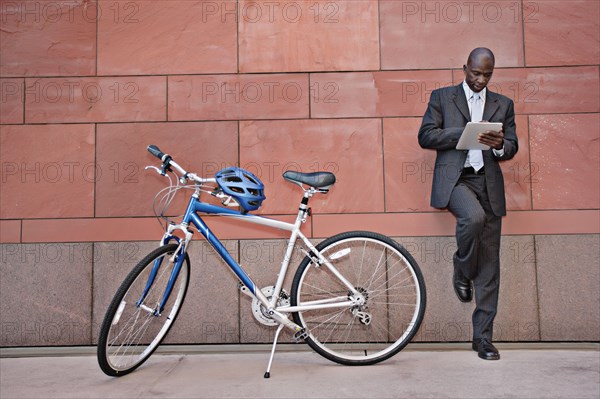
point(462, 287)
point(485, 349)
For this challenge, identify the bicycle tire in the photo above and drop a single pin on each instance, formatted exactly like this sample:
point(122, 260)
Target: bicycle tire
point(390, 280)
point(129, 334)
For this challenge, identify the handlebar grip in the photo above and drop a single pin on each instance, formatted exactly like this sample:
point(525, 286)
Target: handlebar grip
point(154, 150)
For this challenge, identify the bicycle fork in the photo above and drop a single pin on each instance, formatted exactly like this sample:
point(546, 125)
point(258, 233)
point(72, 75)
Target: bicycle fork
point(177, 259)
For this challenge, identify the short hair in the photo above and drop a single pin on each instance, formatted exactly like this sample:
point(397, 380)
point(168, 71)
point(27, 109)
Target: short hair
point(481, 52)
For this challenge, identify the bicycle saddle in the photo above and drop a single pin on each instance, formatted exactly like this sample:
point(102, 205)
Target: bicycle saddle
point(322, 180)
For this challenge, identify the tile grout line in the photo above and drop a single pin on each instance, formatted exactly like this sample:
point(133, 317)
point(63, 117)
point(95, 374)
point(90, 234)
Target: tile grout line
point(529, 160)
point(379, 34)
point(92, 294)
point(523, 34)
point(537, 287)
point(383, 165)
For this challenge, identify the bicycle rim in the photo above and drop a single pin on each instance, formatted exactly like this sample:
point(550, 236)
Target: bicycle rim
point(392, 284)
point(131, 333)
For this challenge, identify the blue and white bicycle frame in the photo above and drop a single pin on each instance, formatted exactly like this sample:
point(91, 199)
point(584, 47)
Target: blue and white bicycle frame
point(247, 286)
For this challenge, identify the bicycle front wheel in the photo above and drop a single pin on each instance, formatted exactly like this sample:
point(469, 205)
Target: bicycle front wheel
point(388, 279)
point(131, 330)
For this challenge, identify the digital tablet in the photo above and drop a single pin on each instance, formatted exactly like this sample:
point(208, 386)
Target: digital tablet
point(468, 139)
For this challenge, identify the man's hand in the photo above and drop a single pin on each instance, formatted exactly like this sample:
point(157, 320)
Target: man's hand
point(492, 139)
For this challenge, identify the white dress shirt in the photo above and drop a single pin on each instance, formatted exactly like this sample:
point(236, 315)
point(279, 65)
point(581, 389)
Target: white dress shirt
point(482, 94)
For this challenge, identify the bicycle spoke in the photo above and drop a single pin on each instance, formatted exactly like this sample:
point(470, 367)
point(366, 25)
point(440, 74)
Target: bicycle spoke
point(391, 288)
point(128, 340)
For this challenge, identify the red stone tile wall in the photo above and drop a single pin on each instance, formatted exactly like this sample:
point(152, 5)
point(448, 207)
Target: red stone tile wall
point(306, 84)
point(338, 85)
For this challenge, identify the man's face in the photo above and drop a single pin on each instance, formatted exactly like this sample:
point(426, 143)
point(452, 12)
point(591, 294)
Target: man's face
point(478, 73)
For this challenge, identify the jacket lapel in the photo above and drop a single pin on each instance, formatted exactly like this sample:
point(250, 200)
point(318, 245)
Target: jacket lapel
point(491, 106)
point(461, 102)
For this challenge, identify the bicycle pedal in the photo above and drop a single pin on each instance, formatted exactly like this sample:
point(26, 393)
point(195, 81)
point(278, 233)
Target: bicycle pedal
point(301, 335)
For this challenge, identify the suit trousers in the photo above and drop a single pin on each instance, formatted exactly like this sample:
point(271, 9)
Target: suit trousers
point(478, 248)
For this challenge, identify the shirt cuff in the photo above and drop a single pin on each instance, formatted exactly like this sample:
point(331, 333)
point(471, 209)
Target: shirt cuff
point(499, 153)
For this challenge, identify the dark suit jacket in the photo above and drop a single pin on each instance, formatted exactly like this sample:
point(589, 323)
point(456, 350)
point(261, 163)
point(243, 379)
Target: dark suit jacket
point(443, 122)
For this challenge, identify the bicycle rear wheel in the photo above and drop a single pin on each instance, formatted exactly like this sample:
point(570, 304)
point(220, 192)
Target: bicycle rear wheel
point(130, 333)
point(387, 277)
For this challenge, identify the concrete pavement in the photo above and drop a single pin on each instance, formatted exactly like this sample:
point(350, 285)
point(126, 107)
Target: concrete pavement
point(419, 371)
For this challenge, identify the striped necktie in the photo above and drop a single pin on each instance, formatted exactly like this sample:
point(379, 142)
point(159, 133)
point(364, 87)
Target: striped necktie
point(475, 157)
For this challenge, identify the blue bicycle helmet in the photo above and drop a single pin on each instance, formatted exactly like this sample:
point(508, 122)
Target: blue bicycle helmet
point(243, 186)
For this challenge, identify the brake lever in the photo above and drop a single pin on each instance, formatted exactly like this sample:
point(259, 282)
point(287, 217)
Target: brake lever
point(182, 179)
point(156, 169)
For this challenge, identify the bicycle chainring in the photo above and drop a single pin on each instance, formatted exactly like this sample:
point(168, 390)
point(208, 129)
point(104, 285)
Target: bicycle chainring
point(260, 312)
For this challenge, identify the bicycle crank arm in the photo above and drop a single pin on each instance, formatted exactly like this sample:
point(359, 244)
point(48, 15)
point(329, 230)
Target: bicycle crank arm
point(275, 315)
point(283, 319)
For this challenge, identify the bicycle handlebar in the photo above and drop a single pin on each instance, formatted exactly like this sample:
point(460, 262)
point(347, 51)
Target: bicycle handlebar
point(167, 161)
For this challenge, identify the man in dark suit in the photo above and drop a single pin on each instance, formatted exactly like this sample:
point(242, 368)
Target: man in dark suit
point(469, 183)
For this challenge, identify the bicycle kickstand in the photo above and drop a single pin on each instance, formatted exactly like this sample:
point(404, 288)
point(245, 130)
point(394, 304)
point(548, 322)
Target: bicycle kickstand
point(268, 372)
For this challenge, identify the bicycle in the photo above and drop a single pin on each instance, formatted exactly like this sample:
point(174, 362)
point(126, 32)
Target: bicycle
point(357, 298)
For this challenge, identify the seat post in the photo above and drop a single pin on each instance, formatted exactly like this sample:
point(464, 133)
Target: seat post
point(303, 210)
